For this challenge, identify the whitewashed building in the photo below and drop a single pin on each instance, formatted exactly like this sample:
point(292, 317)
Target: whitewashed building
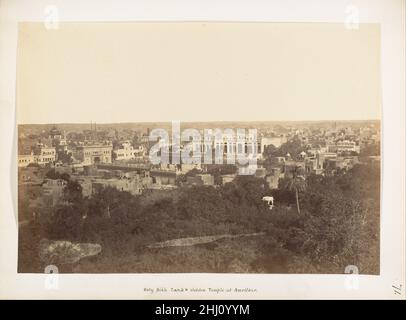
point(126, 152)
point(41, 155)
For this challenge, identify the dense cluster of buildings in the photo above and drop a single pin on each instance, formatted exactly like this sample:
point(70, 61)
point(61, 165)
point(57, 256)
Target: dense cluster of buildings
point(120, 160)
point(325, 151)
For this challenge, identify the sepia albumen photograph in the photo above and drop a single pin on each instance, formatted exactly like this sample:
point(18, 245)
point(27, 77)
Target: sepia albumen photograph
point(199, 147)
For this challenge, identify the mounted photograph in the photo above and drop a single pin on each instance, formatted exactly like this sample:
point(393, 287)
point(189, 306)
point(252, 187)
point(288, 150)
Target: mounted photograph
point(166, 147)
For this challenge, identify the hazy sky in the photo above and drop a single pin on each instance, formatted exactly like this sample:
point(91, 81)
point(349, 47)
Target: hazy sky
point(124, 72)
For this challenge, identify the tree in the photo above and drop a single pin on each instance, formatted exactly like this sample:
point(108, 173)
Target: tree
point(52, 174)
point(293, 147)
point(252, 189)
point(66, 223)
point(269, 151)
point(65, 157)
point(73, 192)
point(182, 178)
point(65, 176)
point(297, 184)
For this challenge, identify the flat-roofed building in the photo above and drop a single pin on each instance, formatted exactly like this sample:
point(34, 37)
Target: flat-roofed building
point(347, 146)
point(46, 155)
point(135, 184)
point(226, 178)
point(39, 154)
point(200, 179)
point(94, 154)
point(125, 152)
point(161, 177)
point(344, 146)
point(276, 141)
point(25, 159)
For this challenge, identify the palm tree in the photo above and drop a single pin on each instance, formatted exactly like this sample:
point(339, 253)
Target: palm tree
point(297, 184)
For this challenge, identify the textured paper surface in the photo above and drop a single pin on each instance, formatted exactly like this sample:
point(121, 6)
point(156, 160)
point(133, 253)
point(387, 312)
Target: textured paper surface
point(48, 94)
